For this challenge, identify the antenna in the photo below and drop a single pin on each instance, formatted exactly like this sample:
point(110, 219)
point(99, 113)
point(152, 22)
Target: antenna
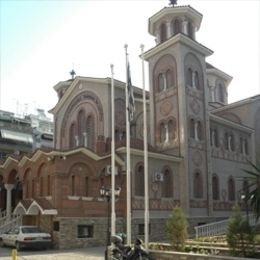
point(173, 2)
point(72, 72)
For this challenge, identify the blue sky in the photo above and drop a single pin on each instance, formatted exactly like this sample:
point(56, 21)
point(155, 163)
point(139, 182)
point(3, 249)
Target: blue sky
point(41, 40)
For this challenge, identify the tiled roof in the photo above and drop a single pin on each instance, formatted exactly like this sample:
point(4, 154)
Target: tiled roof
point(44, 203)
point(26, 203)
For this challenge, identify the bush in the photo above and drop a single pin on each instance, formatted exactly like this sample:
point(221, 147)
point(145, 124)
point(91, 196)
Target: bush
point(176, 229)
point(240, 236)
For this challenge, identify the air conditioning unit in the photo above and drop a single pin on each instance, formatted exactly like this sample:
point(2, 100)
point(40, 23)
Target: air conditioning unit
point(109, 170)
point(158, 177)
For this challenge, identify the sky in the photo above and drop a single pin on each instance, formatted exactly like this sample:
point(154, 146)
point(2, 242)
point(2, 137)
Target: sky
point(41, 41)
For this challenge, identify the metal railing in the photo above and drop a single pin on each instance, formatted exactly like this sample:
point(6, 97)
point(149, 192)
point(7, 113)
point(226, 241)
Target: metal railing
point(9, 223)
point(219, 228)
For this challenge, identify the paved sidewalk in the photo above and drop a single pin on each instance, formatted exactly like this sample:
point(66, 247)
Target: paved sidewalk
point(92, 253)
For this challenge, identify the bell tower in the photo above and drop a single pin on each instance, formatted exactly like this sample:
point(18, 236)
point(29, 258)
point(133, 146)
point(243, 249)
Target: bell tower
point(179, 100)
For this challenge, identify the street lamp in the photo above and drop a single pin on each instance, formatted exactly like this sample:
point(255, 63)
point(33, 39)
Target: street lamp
point(106, 193)
point(245, 199)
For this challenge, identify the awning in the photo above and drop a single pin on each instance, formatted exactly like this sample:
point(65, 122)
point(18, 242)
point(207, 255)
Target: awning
point(16, 136)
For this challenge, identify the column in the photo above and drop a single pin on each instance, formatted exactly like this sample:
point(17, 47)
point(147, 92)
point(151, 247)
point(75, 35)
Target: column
point(229, 143)
point(213, 137)
point(193, 76)
point(157, 37)
point(185, 27)
point(196, 131)
point(77, 141)
point(85, 139)
point(166, 134)
point(9, 188)
point(164, 82)
point(168, 26)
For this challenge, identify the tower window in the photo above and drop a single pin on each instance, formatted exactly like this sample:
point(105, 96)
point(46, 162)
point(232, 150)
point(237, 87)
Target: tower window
point(72, 134)
point(197, 186)
point(90, 132)
point(177, 26)
point(162, 133)
point(163, 35)
point(167, 187)
point(215, 187)
point(192, 128)
point(169, 79)
point(139, 181)
point(190, 30)
point(231, 189)
point(81, 129)
point(221, 93)
point(160, 82)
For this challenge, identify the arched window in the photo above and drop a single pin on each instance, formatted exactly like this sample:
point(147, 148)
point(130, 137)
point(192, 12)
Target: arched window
point(216, 137)
point(167, 185)
point(197, 186)
point(245, 187)
point(189, 77)
point(226, 145)
point(162, 133)
point(197, 82)
point(190, 30)
point(199, 130)
point(139, 181)
point(192, 128)
point(221, 92)
point(86, 186)
point(49, 184)
point(72, 139)
point(231, 189)
point(160, 82)
point(41, 186)
point(81, 129)
point(33, 189)
point(73, 185)
point(241, 145)
point(246, 146)
point(172, 130)
point(90, 132)
point(231, 142)
point(163, 34)
point(169, 79)
point(177, 26)
point(215, 187)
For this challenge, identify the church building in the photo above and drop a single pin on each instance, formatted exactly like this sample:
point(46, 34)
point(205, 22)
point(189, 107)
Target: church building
point(198, 146)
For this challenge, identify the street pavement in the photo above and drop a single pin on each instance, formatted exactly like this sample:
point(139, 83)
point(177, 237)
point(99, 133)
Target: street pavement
point(91, 253)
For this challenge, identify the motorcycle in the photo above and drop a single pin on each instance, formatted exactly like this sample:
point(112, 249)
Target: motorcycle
point(125, 252)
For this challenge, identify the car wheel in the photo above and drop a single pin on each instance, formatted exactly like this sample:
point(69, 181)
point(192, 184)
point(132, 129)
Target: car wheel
point(17, 246)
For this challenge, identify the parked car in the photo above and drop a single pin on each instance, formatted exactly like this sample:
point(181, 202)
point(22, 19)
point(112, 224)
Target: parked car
point(26, 237)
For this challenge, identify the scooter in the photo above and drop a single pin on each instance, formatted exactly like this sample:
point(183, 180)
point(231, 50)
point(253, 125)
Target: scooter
point(124, 252)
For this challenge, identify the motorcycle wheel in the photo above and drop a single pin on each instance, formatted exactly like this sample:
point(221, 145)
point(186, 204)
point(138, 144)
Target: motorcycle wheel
point(142, 257)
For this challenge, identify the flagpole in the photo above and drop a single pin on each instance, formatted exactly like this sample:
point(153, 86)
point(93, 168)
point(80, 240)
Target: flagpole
point(146, 184)
point(128, 171)
point(113, 214)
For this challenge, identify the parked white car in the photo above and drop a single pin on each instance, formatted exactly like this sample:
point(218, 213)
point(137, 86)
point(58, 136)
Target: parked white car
point(26, 237)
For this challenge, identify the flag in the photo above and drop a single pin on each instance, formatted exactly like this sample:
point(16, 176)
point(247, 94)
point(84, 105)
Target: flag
point(130, 90)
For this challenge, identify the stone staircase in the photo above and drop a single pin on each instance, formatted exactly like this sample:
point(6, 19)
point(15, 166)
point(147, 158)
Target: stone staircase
point(220, 227)
point(8, 222)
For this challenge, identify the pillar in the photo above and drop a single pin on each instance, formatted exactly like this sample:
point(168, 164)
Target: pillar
point(168, 26)
point(9, 188)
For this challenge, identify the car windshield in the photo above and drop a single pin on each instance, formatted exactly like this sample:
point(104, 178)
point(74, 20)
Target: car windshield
point(31, 230)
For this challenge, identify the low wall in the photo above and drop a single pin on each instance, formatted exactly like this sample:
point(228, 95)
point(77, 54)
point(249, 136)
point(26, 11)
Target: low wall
point(170, 255)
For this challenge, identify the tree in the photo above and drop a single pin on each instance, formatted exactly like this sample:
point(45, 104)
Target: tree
point(240, 236)
point(176, 229)
point(253, 195)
